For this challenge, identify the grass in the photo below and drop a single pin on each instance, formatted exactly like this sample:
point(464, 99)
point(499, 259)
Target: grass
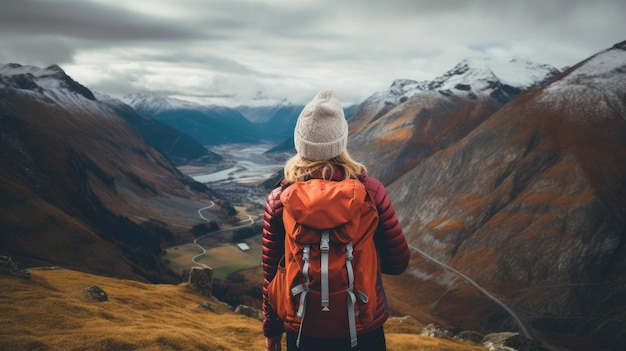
point(227, 259)
point(50, 312)
point(224, 258)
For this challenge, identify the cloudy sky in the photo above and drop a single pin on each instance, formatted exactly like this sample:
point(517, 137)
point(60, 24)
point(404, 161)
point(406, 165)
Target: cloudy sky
point(233, 52)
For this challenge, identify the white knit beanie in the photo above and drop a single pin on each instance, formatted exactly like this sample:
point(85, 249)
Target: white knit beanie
point(321, 131)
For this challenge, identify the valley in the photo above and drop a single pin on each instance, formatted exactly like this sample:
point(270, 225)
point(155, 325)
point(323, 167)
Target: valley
point(238, 176)
point(511, 195)
point(237, 179)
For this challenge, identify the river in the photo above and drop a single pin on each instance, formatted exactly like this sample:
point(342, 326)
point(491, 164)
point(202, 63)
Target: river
point(250, 166)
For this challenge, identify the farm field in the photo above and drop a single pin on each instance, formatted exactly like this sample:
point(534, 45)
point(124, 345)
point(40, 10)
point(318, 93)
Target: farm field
point(224, 259)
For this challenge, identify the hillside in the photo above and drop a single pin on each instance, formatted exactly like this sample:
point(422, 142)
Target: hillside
point(529, 205)
point(80, 187)
point(396, 129)
point(180, 148)
point(208, 124)
point(50, 311)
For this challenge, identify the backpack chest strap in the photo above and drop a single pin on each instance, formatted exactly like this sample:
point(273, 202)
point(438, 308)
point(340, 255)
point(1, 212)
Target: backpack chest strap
point(324, 249)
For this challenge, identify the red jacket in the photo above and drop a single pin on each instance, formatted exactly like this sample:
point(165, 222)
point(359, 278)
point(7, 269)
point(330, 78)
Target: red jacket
point(389, 237)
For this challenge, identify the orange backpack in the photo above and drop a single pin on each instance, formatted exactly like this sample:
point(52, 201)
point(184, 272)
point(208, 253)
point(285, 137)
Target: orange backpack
point(325, 285)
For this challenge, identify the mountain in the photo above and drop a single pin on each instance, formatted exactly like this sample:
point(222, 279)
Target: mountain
point(412, 120)
point(517, 214)
point(80, 187)
point(274, 123)
point(210, 125)
point(180, 148)
point(262, 114)
point(50, 311)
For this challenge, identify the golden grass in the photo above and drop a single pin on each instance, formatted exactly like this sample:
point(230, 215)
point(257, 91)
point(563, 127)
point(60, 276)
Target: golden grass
point(408, 342)
point(50, 312)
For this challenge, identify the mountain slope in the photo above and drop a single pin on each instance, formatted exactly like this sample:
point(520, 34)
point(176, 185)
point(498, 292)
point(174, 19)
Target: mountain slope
point(398, 128)
point(80, 187)
point(274, 123)
point(530, 205)
point(210, 125)
point(50, 311)
point(178, 147)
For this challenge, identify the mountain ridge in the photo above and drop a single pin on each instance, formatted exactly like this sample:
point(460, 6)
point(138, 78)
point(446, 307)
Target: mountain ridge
point(73, 171)
point(208, 124)
point(413, 120)
point(50, 309)
point(530, 204)
point(521, 190)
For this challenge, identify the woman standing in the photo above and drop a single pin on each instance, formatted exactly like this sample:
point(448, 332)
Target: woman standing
point(320, 138)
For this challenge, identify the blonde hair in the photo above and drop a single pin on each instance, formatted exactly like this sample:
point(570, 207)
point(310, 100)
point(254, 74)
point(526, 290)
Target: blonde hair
point(299, 169)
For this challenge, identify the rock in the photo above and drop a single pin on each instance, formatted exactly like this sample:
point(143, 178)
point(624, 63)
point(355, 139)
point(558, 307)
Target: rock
point(94, 293)
point(469, 335)
point(207, 306)
point(201, 280)
point(510, 342)
point(249, 311)
point(435, 330)
point(12, 267)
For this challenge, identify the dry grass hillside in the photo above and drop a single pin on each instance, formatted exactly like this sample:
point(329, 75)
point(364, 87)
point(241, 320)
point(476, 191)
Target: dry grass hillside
point(50, 312)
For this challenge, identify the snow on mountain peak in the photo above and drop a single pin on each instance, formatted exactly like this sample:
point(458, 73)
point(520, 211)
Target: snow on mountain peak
point(603, 69)
point(156, 103)
point(51, 82)
point(402, 87)
point(476, 76)
point(483, 74)
point(597, 85)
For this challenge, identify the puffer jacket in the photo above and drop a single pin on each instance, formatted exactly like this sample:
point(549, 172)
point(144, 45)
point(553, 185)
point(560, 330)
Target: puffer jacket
point(390, 241)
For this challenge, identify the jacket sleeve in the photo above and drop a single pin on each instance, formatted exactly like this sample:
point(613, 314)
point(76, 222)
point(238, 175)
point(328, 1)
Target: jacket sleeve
point(390, 240)
point(273, 251)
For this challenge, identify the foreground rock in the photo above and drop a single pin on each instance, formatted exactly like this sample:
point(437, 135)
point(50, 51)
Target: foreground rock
point(510, 342)
point(12, 267)
point(201, 280)
point(95, 293)
point(250, 312)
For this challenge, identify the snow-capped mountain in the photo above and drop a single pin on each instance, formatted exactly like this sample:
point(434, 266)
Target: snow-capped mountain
point(445, 109)
point(486, 75)
point(526, 200)
point(209, 124)
point(79, 181)
point(180, 148)
point(596, 83)
point(151, 103)
point(50, 82)
point(497, 78)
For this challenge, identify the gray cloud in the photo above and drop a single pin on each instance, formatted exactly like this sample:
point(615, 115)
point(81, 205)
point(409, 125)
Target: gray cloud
point(38, 51)
point(234, 51)
point(85, 20)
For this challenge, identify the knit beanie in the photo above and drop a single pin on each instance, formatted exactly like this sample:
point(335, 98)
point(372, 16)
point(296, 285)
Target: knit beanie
point(321, 131)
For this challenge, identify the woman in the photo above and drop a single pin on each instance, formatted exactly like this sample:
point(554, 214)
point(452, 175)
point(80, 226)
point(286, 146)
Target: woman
point(320, 138)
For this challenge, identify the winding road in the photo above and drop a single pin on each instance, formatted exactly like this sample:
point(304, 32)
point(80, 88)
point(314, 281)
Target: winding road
point(203, 250)
point(195, 241)
point(488, 294)
point(517, 320)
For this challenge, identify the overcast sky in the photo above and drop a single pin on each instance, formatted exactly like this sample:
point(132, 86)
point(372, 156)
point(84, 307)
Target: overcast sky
point(231, 52)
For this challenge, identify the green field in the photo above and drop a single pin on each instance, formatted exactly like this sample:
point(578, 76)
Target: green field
point(223, 259)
